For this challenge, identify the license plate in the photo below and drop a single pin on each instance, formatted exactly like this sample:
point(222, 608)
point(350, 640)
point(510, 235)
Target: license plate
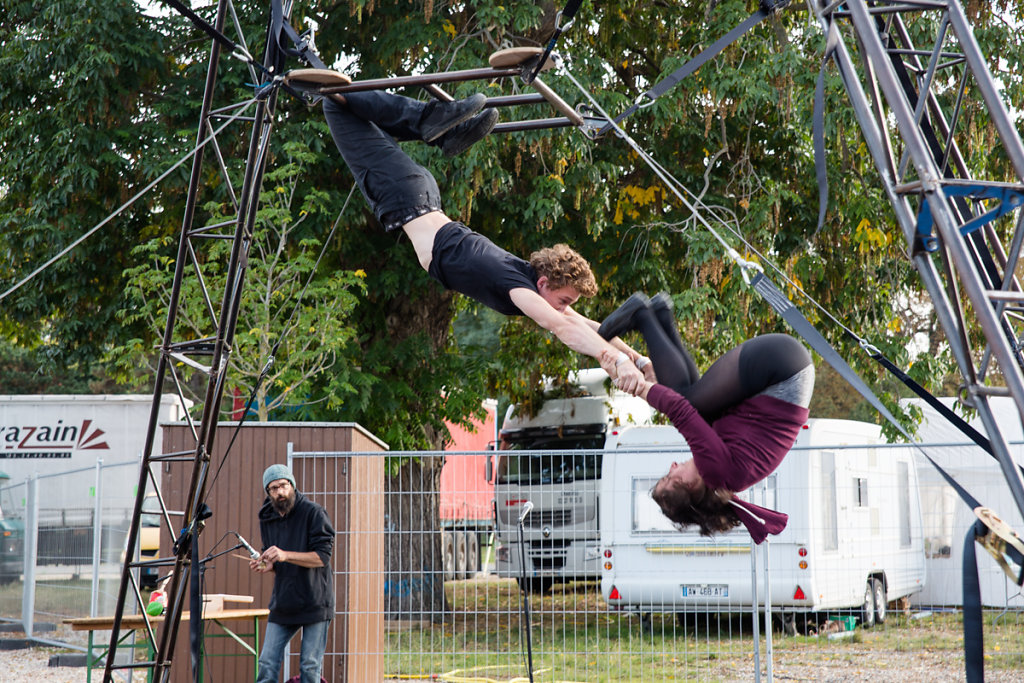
point(705, 590)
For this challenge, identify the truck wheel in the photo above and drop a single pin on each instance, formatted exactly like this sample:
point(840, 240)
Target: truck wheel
point(881, 604)
point(460, 554)
point(867, 609)
point(448, 555)
point(472, 555)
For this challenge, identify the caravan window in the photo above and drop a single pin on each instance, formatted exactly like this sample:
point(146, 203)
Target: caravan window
point(903, 482)
point(646, 515)
point(827, 488)
point(860, 491)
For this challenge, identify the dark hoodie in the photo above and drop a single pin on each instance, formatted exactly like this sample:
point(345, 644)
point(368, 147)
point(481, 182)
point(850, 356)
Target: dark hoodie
point(301, 595)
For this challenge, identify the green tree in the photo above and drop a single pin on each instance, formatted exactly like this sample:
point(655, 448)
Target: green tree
point(96, 101)
point(83, 126)
point(292, 325)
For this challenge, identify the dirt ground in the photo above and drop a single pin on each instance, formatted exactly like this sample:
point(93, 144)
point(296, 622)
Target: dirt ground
point(30, 665)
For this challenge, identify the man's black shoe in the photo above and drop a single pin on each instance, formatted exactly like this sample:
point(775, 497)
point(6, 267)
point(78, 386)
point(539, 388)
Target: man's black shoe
point(465, 135)
point(621, 320)
point(441, 117)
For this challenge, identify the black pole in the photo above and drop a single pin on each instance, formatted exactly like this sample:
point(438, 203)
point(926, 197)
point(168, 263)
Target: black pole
point(523, 588)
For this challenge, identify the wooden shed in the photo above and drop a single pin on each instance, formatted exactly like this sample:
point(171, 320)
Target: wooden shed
point(350, 487)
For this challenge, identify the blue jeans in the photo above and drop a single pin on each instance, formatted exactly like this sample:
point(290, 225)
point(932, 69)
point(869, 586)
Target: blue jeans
point(311, 659)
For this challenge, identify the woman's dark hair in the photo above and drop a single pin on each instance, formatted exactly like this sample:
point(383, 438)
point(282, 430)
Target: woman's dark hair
point(707, 508)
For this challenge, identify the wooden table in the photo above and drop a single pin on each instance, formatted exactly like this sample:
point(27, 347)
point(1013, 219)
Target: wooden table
point(133, 622)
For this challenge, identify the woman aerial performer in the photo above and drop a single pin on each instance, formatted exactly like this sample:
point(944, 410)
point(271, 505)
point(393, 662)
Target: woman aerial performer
point(740, 418)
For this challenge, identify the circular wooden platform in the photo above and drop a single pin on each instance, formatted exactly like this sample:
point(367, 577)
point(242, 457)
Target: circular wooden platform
point(317, 76)
point(516, 56)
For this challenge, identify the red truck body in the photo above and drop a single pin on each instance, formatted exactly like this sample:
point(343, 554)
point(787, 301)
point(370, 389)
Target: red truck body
point(467, 498)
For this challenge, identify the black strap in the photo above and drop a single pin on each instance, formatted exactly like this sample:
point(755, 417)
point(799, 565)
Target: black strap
point(203, 24)
point(974, 647)
point(818, 127)
point(973, 637)
point(940, 407)
point(302, 49)
point(792, 315)
point(568, 13)
point(766, 8)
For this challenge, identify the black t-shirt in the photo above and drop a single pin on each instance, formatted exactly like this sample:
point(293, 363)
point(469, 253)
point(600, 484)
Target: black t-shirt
point(469, 263)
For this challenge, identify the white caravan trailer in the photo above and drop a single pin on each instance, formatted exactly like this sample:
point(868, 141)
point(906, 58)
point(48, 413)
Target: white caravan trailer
point(853, 540)
point(947, 518)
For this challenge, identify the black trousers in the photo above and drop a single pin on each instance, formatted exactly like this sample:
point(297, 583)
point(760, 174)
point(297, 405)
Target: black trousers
point(365, 130)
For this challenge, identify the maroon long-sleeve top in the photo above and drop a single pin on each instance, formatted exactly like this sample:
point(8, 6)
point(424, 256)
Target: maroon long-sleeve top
point(741, 447)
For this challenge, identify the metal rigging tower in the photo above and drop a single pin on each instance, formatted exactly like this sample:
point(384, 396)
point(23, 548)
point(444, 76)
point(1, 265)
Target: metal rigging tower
point(208, 354)
point(910, 69)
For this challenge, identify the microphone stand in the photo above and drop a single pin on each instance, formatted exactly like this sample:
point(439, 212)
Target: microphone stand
point(526, 594)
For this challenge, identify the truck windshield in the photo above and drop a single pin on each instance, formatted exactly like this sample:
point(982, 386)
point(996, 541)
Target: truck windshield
point(540, 467)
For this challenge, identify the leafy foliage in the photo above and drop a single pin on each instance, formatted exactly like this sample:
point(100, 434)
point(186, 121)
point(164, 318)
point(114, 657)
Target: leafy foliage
point(97, 99)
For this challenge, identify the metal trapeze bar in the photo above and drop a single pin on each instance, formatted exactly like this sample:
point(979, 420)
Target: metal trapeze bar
point(420, 80)
point(430, 82)
point(533, 124)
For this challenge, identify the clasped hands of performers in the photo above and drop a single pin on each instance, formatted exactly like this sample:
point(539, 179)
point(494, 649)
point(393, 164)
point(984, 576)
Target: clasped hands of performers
point(632, 375)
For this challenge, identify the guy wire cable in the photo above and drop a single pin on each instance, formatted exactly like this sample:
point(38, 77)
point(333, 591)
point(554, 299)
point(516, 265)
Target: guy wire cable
point(675, 186)
point(64, 252)
point(664, 176)
point(273, 351)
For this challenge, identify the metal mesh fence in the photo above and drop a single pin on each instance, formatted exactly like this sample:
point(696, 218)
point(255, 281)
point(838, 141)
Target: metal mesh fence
point(864, 583)
point(75, 526)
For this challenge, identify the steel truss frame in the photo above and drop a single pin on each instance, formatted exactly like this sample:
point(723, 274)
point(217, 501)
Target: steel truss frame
point(909, 101)
point(209, 354)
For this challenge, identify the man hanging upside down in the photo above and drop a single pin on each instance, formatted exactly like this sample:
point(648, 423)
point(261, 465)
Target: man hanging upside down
point(405, 195)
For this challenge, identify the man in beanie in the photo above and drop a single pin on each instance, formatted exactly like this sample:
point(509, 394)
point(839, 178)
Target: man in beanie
point(298, 539)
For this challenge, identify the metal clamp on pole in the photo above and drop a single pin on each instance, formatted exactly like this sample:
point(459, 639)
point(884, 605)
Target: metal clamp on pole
point(1000, 542)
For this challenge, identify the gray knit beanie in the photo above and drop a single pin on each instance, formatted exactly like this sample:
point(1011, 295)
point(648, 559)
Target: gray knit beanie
point(275, 472)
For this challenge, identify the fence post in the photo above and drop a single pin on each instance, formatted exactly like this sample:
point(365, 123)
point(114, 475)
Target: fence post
point(287, 667)
point(755, 611)
point(28, 599)
point(97, 537)
point(769, 650)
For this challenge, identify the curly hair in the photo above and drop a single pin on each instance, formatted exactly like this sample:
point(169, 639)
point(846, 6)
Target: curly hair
point(697, 504)
point(564, 267)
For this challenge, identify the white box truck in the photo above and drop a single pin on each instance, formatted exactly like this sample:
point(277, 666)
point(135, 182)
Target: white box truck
point(554, 460)
point(853, 542)
point(59, 438)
